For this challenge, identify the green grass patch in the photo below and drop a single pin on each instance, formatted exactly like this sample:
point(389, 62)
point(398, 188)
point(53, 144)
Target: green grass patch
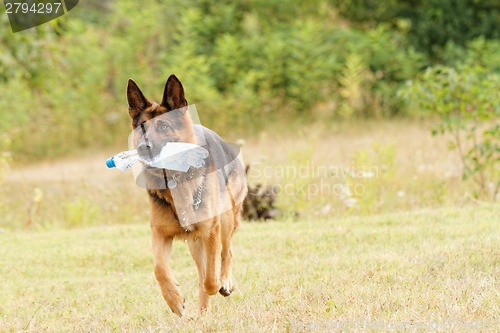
point(435, 267)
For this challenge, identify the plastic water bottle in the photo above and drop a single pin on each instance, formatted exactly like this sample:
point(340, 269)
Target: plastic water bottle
point(124, 160)
point(178, 156)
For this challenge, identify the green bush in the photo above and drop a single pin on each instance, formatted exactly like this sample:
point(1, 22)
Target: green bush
point(467, 102)
point(437, 22)
point(479, 51)
point(430, 24)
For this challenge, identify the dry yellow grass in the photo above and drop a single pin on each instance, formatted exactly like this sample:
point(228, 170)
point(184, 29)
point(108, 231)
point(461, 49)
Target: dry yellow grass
point(436, 270)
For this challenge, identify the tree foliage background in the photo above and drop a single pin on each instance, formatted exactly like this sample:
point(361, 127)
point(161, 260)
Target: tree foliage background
point(245, 64)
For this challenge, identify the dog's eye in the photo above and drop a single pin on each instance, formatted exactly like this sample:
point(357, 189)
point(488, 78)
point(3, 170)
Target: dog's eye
point(163, 127)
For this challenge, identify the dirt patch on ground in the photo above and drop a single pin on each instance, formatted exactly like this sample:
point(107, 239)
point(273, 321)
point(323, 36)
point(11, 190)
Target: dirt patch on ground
point(92, 169)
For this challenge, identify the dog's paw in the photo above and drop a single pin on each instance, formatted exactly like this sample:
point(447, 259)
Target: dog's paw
point(227, 288)
point(176, 302)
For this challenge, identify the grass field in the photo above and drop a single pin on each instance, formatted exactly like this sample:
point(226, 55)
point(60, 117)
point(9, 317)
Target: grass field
point(415, 253)
point(433, 270)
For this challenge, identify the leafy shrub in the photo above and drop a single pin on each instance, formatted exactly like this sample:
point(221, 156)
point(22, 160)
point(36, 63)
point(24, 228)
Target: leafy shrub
point(479, 51)
point(430, 24)
point(467, 102)
point(436, 22)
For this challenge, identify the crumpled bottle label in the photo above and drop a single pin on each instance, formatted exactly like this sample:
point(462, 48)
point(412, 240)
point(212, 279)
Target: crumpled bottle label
point(180, 156)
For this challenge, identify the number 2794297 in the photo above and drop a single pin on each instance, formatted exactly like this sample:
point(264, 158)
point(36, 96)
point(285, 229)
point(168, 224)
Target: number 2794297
point(35, 8)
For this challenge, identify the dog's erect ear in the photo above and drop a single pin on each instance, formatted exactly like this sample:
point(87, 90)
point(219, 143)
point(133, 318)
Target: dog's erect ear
point(136, 100)
point(173, 95)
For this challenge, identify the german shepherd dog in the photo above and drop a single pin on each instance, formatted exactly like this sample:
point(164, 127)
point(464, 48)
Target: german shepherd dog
point(209, 240)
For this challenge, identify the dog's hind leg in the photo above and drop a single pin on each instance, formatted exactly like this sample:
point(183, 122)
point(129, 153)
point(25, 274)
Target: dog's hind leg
point(198, 254)
point(162, 247)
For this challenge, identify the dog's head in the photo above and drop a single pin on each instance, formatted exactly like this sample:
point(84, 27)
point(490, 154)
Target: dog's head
point(153, 124)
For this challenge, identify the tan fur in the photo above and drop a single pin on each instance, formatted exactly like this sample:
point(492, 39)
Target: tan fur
point(209, 241)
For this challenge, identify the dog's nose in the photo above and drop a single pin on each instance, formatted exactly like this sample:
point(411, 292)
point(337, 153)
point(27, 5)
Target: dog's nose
point(144, 150)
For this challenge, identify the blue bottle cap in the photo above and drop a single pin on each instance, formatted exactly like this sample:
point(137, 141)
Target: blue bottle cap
point(110, 162)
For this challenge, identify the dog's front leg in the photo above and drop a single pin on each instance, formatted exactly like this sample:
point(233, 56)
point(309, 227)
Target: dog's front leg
point(162, 247)
point(211, 247)
point(227, 228)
